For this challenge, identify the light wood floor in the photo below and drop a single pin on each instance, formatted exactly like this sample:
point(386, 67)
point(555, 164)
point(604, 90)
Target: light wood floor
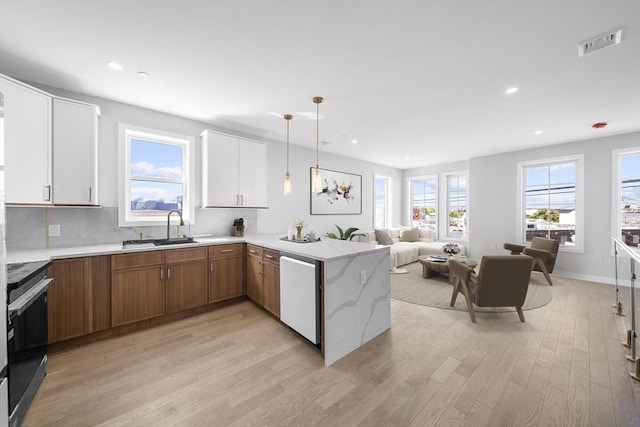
point(238, 366)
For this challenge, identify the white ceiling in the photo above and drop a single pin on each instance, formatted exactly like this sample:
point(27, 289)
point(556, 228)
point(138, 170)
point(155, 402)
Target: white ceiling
point(415, 82)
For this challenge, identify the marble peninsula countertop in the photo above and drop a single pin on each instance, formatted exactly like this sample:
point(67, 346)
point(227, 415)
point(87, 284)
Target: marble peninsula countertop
point(324, 250)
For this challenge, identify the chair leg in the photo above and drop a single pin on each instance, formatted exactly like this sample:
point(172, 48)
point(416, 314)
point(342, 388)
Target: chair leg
point(544, 270)
point(520, 314)
point(465, 292)
point(456, 288)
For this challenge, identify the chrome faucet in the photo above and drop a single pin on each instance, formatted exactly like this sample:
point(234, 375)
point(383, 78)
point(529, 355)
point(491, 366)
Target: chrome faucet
point(169, 218)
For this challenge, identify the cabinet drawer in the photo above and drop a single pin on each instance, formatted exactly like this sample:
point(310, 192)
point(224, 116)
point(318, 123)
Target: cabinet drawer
point(225, 250)
point(254, 251)
point(270, 255)
point(183, 255)
point(141, 259)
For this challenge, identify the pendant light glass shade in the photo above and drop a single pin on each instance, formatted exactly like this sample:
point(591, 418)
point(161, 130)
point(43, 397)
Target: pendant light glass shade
point(287, 176)
point(317, 178)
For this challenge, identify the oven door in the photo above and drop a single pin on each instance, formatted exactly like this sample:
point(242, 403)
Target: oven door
point(27, 347)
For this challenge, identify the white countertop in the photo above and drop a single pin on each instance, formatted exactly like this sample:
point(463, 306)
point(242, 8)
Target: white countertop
point(324, 250)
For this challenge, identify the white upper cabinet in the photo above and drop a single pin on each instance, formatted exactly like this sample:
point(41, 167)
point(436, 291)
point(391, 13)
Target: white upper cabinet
point(28, 143)
point(234, 171)
point(50, 147)
point(75, 140)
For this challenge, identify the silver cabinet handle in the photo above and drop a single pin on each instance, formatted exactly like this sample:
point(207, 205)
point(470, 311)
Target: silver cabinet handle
point(168, 273)
point(211, 266)
point(269, 256)
point(252, 251)
point(237, 199)
point(90, 195)
point(242, 199)
point(161, 273)
point(47, 189)
point(224, 251)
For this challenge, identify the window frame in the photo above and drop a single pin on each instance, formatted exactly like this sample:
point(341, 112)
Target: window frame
point(126, 133)
point(388, 200)
point(447, 204)
point(579, 190)
point(409, 193)
point(616, 212)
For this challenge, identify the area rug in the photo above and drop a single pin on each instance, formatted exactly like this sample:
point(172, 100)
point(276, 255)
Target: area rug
point(436, 291)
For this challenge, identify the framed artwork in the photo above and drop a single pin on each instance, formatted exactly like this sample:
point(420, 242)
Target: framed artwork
point(341, 194)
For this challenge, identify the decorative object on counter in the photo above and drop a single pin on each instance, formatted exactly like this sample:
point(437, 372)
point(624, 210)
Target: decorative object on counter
point(347, 234)
point(238, 227)
point(317, 178)
point(311, 235)
point(450, 249)
point(287, 176)
point(304, 240)
point(341, 194)
point(299, 225)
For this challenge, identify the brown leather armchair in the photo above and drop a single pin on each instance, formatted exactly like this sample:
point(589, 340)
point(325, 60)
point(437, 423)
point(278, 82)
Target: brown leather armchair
point(502, 281)
point(543, 251)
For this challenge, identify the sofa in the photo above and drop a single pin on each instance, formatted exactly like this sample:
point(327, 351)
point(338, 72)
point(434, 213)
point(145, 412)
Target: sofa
point(406, 243)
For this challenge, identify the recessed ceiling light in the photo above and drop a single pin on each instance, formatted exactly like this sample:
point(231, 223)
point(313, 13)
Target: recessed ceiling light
point(114, 65)
point(407, 158)
point(538, 132)
point(354, 141)
point(511, 90)
point(143, 74)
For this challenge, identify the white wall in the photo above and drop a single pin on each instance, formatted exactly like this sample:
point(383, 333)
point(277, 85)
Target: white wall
point(493, 202)
point(284, 210)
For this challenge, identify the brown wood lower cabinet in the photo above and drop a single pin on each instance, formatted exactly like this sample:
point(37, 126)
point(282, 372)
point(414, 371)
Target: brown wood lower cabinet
point(271, 287)
point(254, 274)
point(137, 287)
point(69, 299)
point(186, 279)
point(263, 278)
point(79, 300)
point(226, 272)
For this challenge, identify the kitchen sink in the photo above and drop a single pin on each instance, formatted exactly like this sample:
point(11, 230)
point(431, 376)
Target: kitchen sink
point(148, 243)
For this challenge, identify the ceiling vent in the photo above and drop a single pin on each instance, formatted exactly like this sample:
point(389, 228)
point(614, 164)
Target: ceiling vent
point(600, 42)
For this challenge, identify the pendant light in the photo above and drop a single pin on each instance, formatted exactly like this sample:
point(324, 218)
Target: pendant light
point(287, 177)
point(317, 179)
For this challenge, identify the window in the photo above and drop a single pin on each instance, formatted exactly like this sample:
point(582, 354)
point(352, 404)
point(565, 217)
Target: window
point(457, 205)
point(424, 202)
point(552, 201)
point(382, 201)
point(155, 176)
point(626, 203)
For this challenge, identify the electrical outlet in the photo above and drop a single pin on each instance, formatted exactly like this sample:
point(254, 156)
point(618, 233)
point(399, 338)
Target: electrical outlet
point(54, 230)
point(363, 277)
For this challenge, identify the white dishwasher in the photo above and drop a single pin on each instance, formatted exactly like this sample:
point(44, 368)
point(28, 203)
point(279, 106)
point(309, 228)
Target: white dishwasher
point(299, 297)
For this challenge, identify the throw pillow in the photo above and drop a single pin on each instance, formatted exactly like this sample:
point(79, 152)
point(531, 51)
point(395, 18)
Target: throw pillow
point(427, 235)
point(411, 235)
point(383, 237)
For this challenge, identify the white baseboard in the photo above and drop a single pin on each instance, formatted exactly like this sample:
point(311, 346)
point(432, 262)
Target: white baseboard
point(590, 278)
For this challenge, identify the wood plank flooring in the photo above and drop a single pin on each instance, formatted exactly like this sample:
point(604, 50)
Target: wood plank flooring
point(238, 366)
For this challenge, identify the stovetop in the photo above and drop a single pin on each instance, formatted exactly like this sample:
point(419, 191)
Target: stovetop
point(20, 273)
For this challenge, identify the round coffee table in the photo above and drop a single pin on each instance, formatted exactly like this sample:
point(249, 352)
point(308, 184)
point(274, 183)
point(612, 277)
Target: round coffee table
point(432, 267)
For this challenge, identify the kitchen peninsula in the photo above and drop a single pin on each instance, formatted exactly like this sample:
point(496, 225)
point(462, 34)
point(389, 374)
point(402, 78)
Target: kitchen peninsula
point(355, 282)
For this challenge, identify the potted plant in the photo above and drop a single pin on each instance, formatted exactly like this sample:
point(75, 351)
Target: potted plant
point(347, 234)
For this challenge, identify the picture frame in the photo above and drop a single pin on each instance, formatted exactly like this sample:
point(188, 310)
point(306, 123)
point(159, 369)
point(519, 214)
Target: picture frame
point(341, 194)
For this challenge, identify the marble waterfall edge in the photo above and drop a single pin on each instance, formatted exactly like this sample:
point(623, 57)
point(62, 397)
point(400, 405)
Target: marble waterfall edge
point(355, 313)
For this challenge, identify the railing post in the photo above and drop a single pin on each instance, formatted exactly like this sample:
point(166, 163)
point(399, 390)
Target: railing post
point(618, 304)
point(636, 373)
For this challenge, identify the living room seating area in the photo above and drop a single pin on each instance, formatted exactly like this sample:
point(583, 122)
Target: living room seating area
point(406, 243)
